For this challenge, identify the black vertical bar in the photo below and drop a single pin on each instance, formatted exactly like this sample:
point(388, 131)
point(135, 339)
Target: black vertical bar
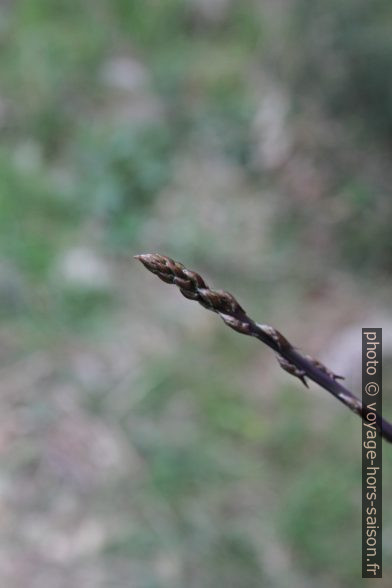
point(371, 454)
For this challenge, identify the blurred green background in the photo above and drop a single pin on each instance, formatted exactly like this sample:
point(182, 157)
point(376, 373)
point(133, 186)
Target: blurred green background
point(143, 443)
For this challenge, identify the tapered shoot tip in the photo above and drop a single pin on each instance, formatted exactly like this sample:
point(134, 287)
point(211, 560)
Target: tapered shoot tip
point(152, 261)
point(144, 257)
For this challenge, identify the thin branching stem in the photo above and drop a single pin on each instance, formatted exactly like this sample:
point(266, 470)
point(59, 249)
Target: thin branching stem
point(193, 286)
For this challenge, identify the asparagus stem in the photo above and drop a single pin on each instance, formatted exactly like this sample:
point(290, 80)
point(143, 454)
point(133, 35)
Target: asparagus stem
point(193, 286)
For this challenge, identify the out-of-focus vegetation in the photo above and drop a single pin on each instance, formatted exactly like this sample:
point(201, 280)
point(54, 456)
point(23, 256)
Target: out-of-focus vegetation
point(340, 65)
point(143, 443)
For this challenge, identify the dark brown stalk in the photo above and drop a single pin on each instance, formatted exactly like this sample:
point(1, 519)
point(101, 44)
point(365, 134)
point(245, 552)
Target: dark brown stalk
point(193, 286)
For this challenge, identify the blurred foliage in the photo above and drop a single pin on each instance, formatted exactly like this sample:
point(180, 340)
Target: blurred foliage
point(224, 478)
point(344, 56)
point(121, 171)
point(32, 215)
point(335, 58)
